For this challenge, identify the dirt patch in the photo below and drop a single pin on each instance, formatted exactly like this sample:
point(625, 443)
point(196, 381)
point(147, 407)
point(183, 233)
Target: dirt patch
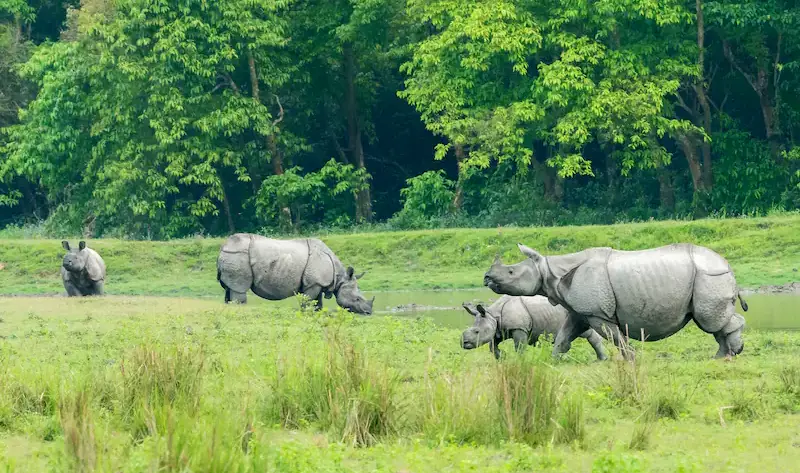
point(788, 288)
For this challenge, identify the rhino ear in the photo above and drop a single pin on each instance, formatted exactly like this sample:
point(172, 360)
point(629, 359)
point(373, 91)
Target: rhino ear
point(82, 245)
point(529, 252)
point(566, 282)
point(359, 276)
point(497, 259)
point(350, 271)
point(482, 310)
point(65, 245)
point(469, 309)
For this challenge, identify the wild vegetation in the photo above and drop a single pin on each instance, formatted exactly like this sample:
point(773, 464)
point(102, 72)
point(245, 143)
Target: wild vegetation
point(140, 383)
point(163, 119)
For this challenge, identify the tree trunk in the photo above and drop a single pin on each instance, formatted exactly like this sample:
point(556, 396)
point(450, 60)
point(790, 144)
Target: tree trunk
point(768, 96)
point(226, 206)
point(272, 144)
point(771, 127)
point(458, 198)
point(689, 149)
point(666, 190)
point(363, 199)
point(702, 98)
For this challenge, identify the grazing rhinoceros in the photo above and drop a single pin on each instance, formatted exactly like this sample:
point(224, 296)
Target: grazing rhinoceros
point(522, 319)
point(278, 269)
point(83, 271)
point(648, 294)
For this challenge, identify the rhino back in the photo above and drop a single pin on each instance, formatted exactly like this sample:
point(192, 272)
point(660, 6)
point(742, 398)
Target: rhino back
point(653, 289)
point(545, 317)
point(277, 266)
point(95, 266)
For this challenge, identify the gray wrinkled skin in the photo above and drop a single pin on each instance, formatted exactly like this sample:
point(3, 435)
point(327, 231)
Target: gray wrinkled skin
point(278, 269)
point(83, 271)
point(644, 295)
point(523, 319)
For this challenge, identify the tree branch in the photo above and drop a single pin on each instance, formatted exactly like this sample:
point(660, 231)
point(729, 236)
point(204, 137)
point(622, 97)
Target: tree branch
point(280, 113)
point(721, 105)
point(777, 73)
point(232, 83)
point(683, 105)
point(726, 49)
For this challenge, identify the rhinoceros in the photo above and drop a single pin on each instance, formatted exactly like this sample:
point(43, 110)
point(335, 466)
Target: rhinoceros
point(523, 319)
point(83, 271)
point(278, 269)
point(646, 295)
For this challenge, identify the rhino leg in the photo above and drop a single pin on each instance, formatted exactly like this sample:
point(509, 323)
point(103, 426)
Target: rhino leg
point(235, 297)
point(72, 289)
point(573, 326)
point(98, 288)
point(520, 338)
point(314, 293)
point(621, 341)
point(596, 341)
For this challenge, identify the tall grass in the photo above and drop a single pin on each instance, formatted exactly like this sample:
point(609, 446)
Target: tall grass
point(154, 379)
point(79, 433)
point(340, 391)
point(527, 392)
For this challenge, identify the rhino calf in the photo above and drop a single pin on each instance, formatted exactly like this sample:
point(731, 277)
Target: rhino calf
point(279, 269)
point(83, 271)
point(523, 319)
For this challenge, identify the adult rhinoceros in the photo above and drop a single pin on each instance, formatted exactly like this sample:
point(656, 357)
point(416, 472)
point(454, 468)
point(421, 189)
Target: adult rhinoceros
point(649, 294)
point(83, 271)
point(278, 269)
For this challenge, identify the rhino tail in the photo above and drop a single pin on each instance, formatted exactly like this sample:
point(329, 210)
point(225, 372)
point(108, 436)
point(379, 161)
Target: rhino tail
point(741, 300)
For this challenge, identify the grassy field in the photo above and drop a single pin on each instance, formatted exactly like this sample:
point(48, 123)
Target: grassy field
point(173, 384)
point(761, 251)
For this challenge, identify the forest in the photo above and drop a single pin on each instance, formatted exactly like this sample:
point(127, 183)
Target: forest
point(160, 119)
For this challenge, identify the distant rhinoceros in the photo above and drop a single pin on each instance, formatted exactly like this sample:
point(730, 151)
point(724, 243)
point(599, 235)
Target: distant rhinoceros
point(523, 319)
point(278, 269)
point(646, 295)
point(83, 271)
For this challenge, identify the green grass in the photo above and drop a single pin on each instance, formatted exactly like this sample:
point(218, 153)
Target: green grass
point(760, 250)
point(133, 384)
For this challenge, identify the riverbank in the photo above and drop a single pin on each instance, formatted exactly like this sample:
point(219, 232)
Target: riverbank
point(762, 252)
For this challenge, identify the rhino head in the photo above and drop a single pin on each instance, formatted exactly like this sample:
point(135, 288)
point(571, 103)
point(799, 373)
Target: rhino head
point(483, 329)
point(521, 279)
point(75, 260)
point(349, 296)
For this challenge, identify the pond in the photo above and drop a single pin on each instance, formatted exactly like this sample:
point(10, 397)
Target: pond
point(766, 311)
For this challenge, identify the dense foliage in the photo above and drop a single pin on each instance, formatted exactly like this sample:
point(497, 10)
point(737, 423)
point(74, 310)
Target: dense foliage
point(165, 118)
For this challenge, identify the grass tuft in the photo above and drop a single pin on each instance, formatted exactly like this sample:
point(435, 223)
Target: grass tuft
point(341, 391)
point(79, 434)
point(527, 391)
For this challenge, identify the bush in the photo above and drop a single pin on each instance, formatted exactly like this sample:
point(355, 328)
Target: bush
point(426, 197)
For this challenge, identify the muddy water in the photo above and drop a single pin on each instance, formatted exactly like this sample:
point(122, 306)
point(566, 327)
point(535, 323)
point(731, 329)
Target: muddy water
point(766, 311)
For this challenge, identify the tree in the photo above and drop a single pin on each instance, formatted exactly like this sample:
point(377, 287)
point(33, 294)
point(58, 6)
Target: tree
point(147, 113)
